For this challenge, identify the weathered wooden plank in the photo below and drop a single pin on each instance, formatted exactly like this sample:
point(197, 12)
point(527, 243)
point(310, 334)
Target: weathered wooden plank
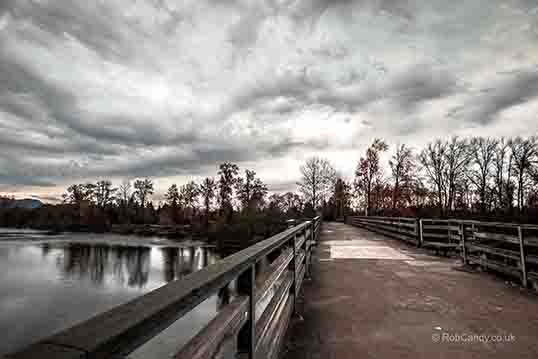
point(500, 267)
point(496, 251)
point(497, 237)
point(435, 235)
point(522, 254)
point(531, 241)
point(227, 323)
point(206, 343)
point(299, 280)
point(272, 341)
point(428, 244)
point(280, 332)
point(270, 313)
point(431, 226)
point(276, 270)
point(301, 241)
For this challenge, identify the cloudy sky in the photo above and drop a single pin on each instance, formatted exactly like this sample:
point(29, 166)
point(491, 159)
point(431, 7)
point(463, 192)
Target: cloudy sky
point(169, 89)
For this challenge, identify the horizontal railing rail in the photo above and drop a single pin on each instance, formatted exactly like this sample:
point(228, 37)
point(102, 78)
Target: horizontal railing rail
point(399, 227)
point(237, 326)
point(509, 248)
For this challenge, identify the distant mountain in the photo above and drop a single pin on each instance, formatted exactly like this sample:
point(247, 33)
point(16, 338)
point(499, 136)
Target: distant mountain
point(20, 203)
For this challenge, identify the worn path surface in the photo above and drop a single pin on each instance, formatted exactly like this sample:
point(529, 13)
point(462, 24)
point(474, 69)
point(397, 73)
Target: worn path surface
point(374, 297)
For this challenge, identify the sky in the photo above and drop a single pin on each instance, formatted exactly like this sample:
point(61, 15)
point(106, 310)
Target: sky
point(169, 89)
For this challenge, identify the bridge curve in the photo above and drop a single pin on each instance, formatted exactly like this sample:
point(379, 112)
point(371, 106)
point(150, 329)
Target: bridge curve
point(375, 297)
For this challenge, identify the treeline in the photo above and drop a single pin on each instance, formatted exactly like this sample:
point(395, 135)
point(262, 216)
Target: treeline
point(482, 177)
point(229, 201)
point(478, 177)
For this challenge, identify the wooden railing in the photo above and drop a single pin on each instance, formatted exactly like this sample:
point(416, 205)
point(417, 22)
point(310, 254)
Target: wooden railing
point(503, 247)
point(399, 227)
point(118, 332)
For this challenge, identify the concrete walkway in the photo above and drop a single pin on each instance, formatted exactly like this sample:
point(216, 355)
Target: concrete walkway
point(374, 297)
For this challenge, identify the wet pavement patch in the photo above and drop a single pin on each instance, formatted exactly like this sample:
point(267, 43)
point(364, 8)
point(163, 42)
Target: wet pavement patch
point(367, 252)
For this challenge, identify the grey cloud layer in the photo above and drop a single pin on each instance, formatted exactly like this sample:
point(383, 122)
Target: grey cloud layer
point(159, 88)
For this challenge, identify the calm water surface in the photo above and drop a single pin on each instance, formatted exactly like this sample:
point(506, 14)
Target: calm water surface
point(48, 283)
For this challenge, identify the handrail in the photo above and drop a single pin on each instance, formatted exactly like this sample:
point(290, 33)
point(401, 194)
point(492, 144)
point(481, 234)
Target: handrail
point(119, 331)
point(504, 247)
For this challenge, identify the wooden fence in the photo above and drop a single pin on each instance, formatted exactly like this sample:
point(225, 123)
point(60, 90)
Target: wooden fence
point(511, 249)
point(237, 326)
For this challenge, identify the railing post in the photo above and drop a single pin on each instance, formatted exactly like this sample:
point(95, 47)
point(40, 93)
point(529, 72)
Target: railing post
point(312, 231)
point(246, 284)
point(308, 255)
point(420, 234)
point(462, 243)
point(293, 265)
point(522, 254)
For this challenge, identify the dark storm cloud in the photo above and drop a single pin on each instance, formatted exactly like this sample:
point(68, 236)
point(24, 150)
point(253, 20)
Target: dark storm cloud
point(515, 88)
point(62, 108)
point(407, 90)
point(89, 21)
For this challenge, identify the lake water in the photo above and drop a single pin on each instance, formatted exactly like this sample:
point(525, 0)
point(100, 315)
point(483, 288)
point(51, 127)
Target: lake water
point(49, 283)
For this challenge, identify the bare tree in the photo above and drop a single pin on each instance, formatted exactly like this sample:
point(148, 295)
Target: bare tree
point(317, 180)
point(457, 159)
point(500, 168)
point(401, 165)
point(189, 193)
point(433, 161)
point(208, 189)
point(143, 189)
point(78, 193)
point(124, 191)
point(104, 193)
point(172, 196)
point(525, 153)
point(482, 152)
point(227, 172)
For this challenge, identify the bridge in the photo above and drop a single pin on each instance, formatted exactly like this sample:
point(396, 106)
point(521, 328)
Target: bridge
point(371, 288)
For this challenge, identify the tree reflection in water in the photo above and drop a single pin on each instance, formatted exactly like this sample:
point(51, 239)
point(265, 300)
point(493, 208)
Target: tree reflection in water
point(179, 262)
point(128, 265)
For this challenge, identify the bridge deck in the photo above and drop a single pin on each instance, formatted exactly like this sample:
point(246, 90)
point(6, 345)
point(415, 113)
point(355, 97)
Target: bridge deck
point(374, 297)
